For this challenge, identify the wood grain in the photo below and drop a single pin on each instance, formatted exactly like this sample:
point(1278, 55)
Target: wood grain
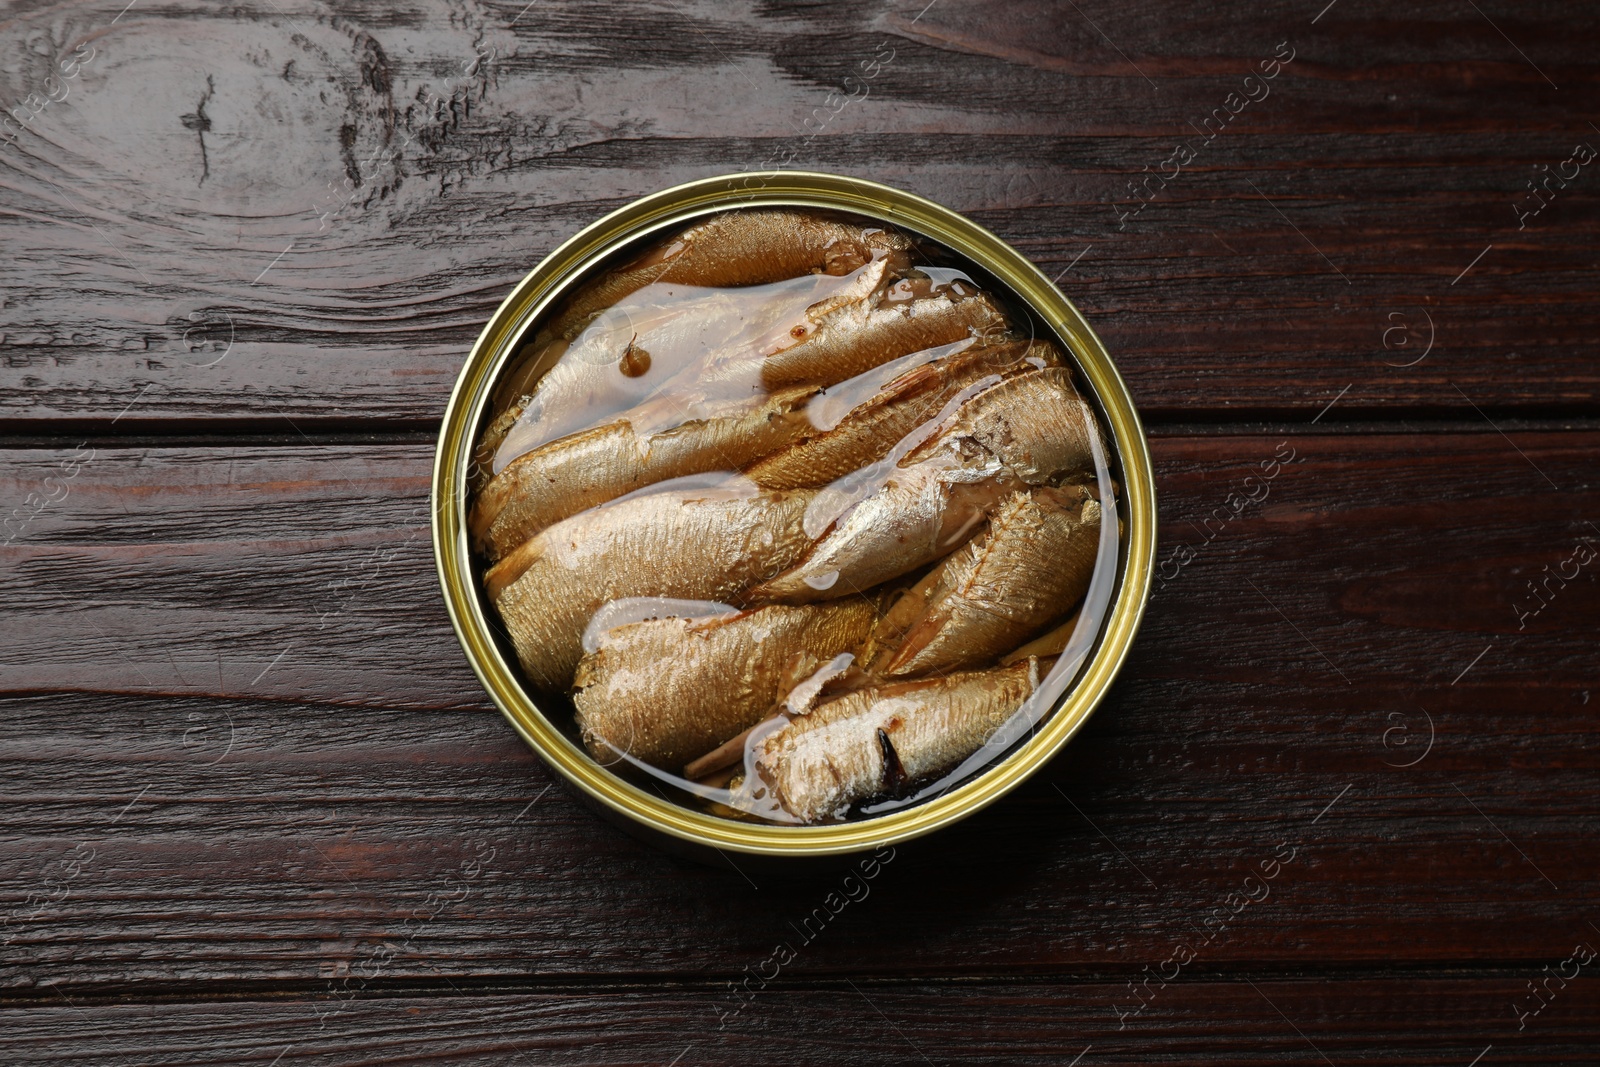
point(313, 208)
point(1417, 1021)
point(191, 570)
point(277, 573)
point(287, 818)
point(255, 809)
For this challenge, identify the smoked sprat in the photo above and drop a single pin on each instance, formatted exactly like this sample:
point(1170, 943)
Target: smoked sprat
point(795, 512)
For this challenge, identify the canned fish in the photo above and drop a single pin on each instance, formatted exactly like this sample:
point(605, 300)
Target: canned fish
point(792, 514)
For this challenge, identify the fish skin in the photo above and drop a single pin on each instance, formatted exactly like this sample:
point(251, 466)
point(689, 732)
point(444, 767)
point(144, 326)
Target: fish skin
point(508, 399)
point(738, 248)
point(870, 430)
point(667, 303)
point(1032, 563)
point(669, 690)
point(1036, 422)
point(918, 516)
point(547, 589)
point(588, 468)
point(482, 471)
point(1016, 433)
point(685, 456)
point(662, 341)
point(823, 762)
point(589, 381)
point(521, 374)
point(837, 340)
point(1047, 645)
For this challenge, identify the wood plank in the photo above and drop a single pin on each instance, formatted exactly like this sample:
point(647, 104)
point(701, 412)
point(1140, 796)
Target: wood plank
point(200, 259)
point(277, 572)
point(1417, 1021)
point(262, 815)
point(325, 847)
point(156, 569)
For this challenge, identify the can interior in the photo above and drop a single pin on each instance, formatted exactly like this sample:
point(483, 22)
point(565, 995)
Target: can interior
point(934, 252)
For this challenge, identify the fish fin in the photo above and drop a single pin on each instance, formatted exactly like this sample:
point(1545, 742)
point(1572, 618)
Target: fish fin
point(894, 772)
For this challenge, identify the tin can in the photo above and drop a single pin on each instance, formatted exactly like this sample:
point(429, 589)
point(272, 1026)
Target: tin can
point(680, 827)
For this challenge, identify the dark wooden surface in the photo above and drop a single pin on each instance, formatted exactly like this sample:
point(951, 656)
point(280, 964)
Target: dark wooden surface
point(256, 809)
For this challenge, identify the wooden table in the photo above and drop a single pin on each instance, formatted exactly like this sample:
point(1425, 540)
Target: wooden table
point(1340, 807)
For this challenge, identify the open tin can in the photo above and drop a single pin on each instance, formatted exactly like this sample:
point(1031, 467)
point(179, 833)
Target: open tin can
point(1061, 699)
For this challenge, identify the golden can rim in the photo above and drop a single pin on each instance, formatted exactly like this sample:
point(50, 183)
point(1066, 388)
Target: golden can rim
point(673, 207)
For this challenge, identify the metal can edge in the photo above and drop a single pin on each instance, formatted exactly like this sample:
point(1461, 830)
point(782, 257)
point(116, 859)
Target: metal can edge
point(672, 207)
